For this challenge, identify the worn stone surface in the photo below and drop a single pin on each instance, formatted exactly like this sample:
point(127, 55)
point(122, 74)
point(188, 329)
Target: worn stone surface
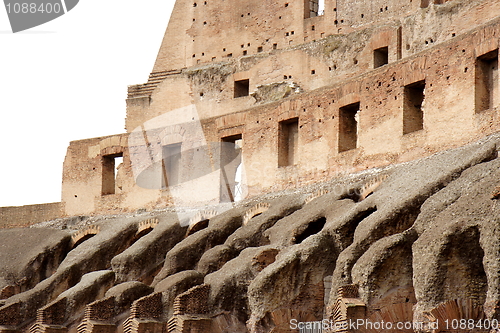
point(149, 251)
point(174, 285)
point(364, 191)
point(213, 259)
point(422, 246)
point(92, 286)
point(127, 292)
point(92, 255)
point(182, 256)
point(24, 267)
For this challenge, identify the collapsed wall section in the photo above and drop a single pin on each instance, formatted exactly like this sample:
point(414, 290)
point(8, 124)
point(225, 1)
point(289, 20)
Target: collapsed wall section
point(95, 175)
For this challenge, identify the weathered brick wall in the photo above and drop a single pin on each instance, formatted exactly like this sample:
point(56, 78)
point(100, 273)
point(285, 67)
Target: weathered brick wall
point(90, 183)
point(332, 51)
point(103, 309)
point(193, 301)
point(53, 313)
point(147, 307)
point(9, 315)
point(20, 216)
point(449, 118)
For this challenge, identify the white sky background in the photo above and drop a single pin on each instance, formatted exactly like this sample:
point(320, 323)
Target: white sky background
point(67, 80)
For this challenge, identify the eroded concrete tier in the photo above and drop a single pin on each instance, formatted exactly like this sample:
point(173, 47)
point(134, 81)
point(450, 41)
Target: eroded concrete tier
point(414, 241)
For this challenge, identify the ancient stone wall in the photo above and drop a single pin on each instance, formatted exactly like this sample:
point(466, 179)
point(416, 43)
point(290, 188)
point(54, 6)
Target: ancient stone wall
point(210, 31)
point(308, 63)
point(30, 214)
point(398, 112)
point(94, 176)
point(309, 93)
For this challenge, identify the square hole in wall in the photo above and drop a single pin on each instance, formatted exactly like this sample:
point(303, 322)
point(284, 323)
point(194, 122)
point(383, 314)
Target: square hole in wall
point(413, 114)
point(313, 8)
point(380, 57)
point(241, 88)
point(486, 81)
point(288, 142)
point(348, 127)
point(171, 164)
point(110, 164)
point(231, 164)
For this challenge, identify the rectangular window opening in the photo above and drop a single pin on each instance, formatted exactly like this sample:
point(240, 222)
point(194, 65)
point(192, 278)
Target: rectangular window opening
point(486, 89)
point(171, 164)
point(231, 168)
point(348, 127)
point(288, 142)
point(321, 8)
point(413, 114)
point(110, 165)
point(313, 8)
point(241, 88)
point(424, 3)
point(380, 57)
